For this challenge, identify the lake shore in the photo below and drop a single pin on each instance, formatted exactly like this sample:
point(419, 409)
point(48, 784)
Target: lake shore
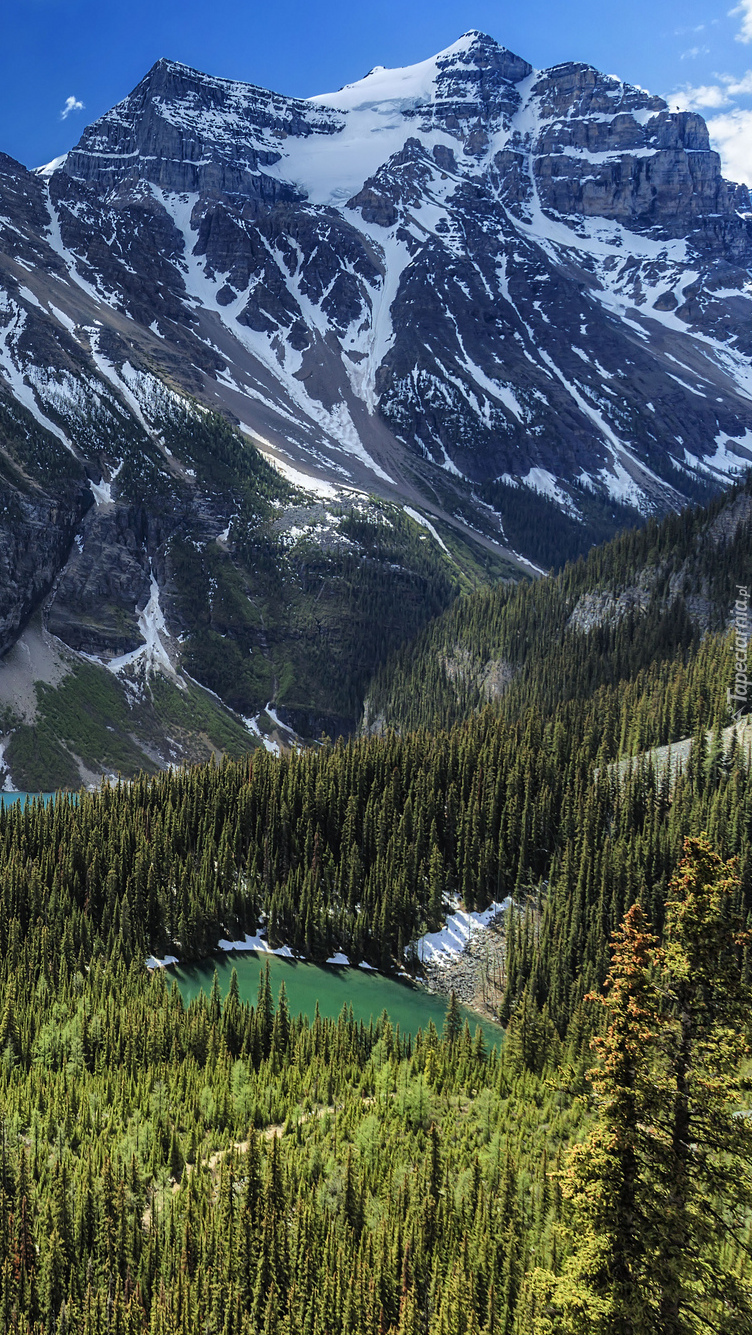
point(466, 976)
point(326, 987)
point(465, 957)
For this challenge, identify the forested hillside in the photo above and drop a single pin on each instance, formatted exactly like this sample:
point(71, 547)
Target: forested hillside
point(416, 1187)
point(240, 1171)
point(357, 847)
point(642, 600)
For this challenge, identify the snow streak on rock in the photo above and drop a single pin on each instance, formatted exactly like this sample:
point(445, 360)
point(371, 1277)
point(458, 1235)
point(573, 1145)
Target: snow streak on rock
point(521, 278)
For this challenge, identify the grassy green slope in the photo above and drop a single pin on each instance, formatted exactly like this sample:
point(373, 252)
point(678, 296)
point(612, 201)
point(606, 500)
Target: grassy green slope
point(91, 722)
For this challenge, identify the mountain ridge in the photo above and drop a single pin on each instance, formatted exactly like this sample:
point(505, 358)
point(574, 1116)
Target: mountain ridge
point(515, 301)
point(651, 601)
point(183, 131)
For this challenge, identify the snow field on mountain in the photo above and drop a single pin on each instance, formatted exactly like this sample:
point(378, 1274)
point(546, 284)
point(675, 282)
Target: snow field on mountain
point(395, 267)
point(336, 423)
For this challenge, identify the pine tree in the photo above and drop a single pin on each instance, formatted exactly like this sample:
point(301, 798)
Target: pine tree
point(705, 1146)
point(607, 1288)
point(452, 1020)
point(8, 1025)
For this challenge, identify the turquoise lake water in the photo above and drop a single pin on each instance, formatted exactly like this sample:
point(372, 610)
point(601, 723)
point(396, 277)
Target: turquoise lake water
point(369, 993)
point(7, 799)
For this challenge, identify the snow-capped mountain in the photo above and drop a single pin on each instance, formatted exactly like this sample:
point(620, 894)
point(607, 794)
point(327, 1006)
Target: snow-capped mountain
point(467, 284)
point(538, 277)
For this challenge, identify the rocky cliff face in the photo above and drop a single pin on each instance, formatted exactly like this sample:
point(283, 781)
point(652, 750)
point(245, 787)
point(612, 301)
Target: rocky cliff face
point(516, 299)
point(522, 277)
point(36, 536)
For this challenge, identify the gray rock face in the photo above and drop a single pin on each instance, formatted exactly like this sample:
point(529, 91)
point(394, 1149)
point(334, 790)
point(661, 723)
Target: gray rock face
point(188, 132)
point(93, 606)
point(507, 294)
point(24, 217)
point(450, 282)
point(36, 534)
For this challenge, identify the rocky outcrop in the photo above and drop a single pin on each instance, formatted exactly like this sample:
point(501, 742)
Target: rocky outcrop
point(311, 725)
point(185, 131)
point(660, 176)
point(607, 608)
point(24, 218)
point(106, 578)
point(36, 535)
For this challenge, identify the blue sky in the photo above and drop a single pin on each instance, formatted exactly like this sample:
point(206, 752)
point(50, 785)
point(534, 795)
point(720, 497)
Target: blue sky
point(65, 62)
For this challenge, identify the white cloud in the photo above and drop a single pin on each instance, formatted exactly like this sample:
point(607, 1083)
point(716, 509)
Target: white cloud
point(713, 95)
point(73, 104)
point(692, 99)
point(694, 52)
point(729, 125)
point(744, 9)
point(731, 136)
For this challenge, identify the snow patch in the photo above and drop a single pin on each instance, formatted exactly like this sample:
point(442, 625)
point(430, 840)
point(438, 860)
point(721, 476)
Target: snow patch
point(733, 455)
point(152, 652)
point(11, 369)
point(315, 485)
point(540, 480)
point(63, 319)
point(8, 785)
point(153, 962)
point(253, 727)
point(29, 296)
point(259, 943)
point(120, 381)
point(442, 947)
point(424, 523)
point(49, 167)
point(102, 492)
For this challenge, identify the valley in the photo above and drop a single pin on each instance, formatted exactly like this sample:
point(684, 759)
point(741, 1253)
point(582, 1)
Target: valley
point(375, 499)
point(450, 325)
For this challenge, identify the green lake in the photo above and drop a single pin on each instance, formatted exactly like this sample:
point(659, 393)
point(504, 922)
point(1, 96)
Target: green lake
point(369, 993)
point(332, 986)
point(7, 799)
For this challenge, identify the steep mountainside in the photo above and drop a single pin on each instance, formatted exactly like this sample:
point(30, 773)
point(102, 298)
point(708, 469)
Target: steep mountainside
point(642, 604)
point(516, 302)
point(521, 276)
point(211, 568)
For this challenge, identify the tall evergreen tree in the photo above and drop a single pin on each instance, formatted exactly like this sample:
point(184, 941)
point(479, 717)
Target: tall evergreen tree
point(607, 1287)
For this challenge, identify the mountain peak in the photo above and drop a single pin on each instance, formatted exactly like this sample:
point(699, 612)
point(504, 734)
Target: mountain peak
point(473, 42)
point(173, 76)
point(471, 67)
point(167, 63)
point(436, 260)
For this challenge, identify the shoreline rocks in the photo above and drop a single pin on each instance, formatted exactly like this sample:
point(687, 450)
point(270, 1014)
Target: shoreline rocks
point(475, 974)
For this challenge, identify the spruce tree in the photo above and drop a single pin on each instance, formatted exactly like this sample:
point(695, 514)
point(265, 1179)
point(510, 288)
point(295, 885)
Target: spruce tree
point(607, 1285)
point(704, 1144)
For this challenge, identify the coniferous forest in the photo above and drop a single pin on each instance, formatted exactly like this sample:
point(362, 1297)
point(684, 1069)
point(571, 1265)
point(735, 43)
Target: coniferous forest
point(238, 1170)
